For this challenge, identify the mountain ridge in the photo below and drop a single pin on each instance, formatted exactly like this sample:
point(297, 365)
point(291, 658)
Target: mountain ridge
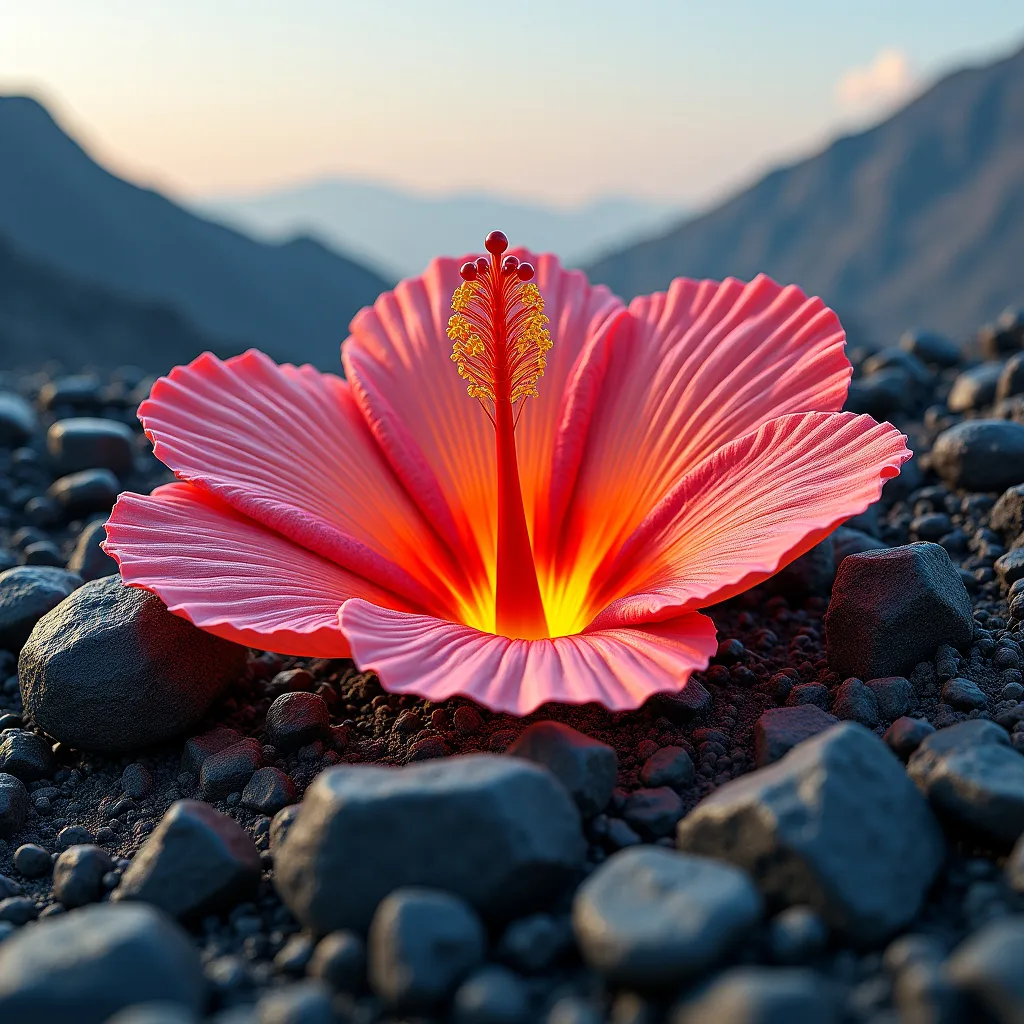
point(61, 208)
point(916, 220)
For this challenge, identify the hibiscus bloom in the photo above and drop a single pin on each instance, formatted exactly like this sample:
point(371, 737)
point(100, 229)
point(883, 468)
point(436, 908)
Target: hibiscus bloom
point(549, 536)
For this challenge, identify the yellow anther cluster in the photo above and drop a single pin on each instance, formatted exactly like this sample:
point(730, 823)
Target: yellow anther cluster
point(528, 342)
point(534, 334)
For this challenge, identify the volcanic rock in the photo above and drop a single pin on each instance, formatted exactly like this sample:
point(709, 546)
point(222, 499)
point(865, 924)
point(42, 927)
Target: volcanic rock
point(81, 494)
point(975, 388)
point(981, 455)
point(78, 875)
point(836, 824)
point(87, 965)
point(651, 917)
point(891, 609)
point(25, 755)
point(422, 943)
point(986, 969)
point(500, 832)
point(13, 805)
point(112, 670)
point(587, 768)
point(778, 730)
point(27, 593)
point(196, 862)
point(295, 719)
point(491, 995)
point(83, 443)
point(88, 559)
point(744, 995)
point(17, 420)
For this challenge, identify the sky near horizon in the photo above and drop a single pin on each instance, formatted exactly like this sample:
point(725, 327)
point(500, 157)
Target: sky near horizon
point(556, 100)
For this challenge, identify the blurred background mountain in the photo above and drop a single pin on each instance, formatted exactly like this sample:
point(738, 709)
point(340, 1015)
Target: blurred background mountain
point(270, 219)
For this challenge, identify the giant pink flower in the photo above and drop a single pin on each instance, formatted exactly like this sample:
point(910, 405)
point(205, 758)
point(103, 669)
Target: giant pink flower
point(549, 537)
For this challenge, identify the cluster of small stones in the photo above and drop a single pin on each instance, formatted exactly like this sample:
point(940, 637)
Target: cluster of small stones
point(824, 826)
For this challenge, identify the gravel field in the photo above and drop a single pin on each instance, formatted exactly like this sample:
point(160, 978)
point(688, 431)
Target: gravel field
point(826, 825)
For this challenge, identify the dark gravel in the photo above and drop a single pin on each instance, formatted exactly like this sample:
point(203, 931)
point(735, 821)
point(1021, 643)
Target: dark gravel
point(871, 871)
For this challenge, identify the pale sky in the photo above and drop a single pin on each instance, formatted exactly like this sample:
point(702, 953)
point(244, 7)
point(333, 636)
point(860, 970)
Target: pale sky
point(560, 100)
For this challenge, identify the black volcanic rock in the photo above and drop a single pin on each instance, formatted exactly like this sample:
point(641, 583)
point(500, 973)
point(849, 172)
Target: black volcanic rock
point(17, 419)
point(197, 861)
point(27, 593)
point(893, 608)
point(85, 442)
point(87, 965)
point(981, 455)
point(499, 831)
point(113, 670)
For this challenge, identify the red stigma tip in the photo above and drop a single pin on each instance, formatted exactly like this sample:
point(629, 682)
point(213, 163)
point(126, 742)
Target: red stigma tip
point(496, 242)
point(482, 264)
point(525, 271)
point(510, 264)
point(468, 271)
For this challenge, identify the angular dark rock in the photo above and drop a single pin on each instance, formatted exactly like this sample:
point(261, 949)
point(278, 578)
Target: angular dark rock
point(197, 861)
point(199, 748)
point(268, 791)
point(974, 778)
point(87, 965)
point(653, 812)
point(778, 730)
point(586, 767)
point(14, 805)
point(422, 943)
point(810, 574)
point(650, 917)
point(892, 609)
point(25, 755)
point(500, 832)
point(894, 696)
point(848, 541)
point(669, 766)
point(962, 694)
point(692, 701)
point(230, 770)
point(855, 702)
point(981, 455)
point(1007, 515)
point(836, 824)
point(27, 593)
point(112, 670)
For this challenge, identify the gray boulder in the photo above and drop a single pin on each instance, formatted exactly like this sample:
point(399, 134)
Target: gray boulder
point(836, 824)
point(112, 670)
point(500, 832)
point(651, 918)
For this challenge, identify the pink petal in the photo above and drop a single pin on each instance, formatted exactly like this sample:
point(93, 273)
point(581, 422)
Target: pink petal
point(439, 440)
point(702, 365)
point(230, 575)
point(747, 511)
point(287, 447)
point(619, 668)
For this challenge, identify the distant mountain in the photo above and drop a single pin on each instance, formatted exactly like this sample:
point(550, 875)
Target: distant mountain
point(60, 208)
point(400, 231)
point(919, 220)
point(46, 315)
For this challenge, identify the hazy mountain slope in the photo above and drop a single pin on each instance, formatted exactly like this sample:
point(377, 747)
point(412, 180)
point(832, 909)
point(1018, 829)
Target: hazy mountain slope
point(46, 315)
point(401, 231)
point(918, 220)
point(59, 207)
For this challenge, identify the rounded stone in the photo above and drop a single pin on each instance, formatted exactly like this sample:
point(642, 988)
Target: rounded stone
point(112, 670)
point(651, 917)
point(27, 593)
point(296, 719)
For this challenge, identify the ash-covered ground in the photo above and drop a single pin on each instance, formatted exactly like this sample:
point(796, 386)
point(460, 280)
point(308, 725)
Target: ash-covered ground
point(875, 874)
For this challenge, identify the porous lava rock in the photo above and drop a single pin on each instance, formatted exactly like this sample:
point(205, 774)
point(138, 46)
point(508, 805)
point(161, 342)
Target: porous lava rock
point(112, 670)
point(836, 824)
point(501, 832)
point(892, 608)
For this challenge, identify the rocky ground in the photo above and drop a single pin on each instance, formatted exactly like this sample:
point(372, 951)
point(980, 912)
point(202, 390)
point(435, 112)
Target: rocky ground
point(679, 863)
